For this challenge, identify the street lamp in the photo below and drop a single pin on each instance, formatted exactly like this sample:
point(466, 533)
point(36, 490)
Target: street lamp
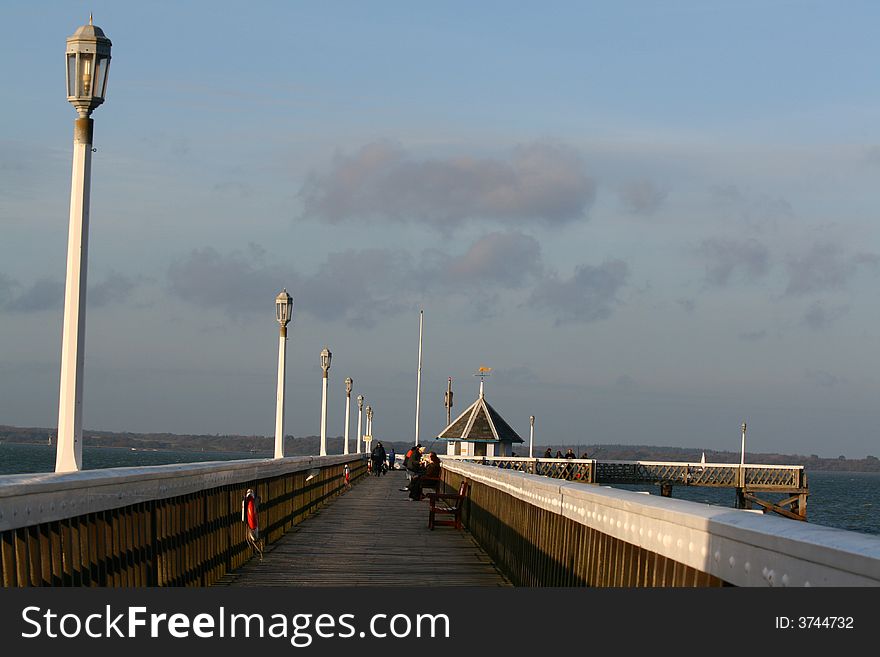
point(88, 60)
point(369, 437)
point(348, 382)
point(531, 434)
point(360, 436)
point(325, 365)
point(283, 313)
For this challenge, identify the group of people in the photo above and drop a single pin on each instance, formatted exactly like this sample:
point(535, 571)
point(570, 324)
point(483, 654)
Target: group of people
point(548, 454)
point(380, 462)
point(421, 470)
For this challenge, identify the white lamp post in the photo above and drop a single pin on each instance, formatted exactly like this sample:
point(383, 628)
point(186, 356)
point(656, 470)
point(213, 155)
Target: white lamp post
point(419, 376)
point(88, 59)
point(283, 313)
point(360, 436)
point(531, 434)
point(348, 382)
point(369, 436)
point(325, 366)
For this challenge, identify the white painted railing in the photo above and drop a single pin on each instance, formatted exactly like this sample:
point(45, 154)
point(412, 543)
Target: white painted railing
point(741, 547)
point(30, 499)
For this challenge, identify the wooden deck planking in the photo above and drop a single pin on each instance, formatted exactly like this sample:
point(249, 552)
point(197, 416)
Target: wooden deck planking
point(371, 535)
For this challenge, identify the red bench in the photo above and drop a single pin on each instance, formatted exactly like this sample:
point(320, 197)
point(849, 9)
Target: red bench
point(447, 504)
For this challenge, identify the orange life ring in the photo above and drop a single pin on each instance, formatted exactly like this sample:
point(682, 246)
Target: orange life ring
point(250, 514)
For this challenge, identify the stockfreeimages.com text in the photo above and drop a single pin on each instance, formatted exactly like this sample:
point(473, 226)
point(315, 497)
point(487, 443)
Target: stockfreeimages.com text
point(300, 629)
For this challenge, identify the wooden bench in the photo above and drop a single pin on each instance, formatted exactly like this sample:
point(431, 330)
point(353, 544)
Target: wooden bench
point(447, 504)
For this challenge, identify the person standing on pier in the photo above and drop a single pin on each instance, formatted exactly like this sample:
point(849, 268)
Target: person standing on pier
point(378, 458)
point(391, 457)
point(548, 454)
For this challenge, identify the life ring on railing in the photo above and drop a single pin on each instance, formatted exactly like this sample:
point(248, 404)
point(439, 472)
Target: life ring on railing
point(250, 515)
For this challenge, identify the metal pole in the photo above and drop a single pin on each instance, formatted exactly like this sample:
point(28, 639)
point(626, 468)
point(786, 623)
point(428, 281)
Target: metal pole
point(448, 402)
point(68, 454)
point(419, 377)
point(531, 434)
point(742, 458)
point(279, 398)
point(324, 415)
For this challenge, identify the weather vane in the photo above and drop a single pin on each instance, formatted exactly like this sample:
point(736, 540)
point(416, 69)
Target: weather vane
point(483, 372)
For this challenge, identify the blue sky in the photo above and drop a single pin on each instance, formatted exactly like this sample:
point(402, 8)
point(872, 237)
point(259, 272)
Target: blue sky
point(653, 220)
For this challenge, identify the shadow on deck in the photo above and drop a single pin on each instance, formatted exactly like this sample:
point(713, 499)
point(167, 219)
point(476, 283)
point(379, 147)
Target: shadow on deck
point(371, 535)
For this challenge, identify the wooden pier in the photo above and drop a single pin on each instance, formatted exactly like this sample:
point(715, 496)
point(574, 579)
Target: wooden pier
point(371, 535)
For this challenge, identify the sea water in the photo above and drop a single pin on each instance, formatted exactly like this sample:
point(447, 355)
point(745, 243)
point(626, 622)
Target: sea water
point(848, 500)
point(20, 458)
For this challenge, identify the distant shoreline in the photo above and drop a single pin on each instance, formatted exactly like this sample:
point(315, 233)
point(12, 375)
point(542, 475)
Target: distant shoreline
point(263, 446)
point(133, 448)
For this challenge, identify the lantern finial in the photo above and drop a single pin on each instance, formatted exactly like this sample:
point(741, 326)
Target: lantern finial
point(90, 18)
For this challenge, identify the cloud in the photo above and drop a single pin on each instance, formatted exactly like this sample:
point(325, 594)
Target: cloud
point(752, 336)
point(642, 197)
point(517, 375)
point(507, 260)
point(45, 294)
point(239, 282)
point(626, 383)
point(819, 317)
point(756, 211)
point(872, 156)
point(359, 286)
point(7, 287)
point(540, 182)
point(823, 379)
point(48, 294)
point(688, 305)
point(724, 258)
point(825, 267)
point(113, 289)
point(589, 295)
point(356, 286)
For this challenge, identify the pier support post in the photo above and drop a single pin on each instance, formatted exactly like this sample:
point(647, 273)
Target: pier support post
point(740, 499)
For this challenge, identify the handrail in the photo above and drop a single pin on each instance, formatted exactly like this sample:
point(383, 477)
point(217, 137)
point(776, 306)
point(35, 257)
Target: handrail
point(740, 547)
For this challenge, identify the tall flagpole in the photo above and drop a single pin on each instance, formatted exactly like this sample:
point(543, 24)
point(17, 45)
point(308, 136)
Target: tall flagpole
point(447, 402)
point(419, 377)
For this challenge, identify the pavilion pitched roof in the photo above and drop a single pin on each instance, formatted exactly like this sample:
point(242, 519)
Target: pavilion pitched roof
point(480, 423)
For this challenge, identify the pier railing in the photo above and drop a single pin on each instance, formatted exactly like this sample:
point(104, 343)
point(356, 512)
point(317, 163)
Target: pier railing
point(593, 471)
point(171, 525)
point(549, 532)
point(788, 480)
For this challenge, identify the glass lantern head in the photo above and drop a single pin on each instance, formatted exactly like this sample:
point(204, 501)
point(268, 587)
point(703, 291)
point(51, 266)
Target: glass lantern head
point(88, 64)
point(283, 307)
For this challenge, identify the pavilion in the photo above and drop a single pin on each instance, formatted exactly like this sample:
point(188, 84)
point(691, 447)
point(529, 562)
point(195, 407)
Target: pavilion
point(479, 431)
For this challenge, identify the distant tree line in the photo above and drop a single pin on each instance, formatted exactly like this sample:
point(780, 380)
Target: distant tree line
point(308, 445)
